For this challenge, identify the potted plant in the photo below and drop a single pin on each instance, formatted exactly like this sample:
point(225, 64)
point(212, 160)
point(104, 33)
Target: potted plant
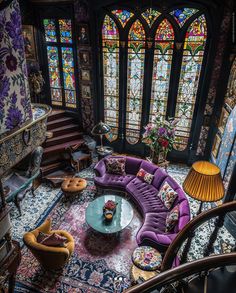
point(160, 137)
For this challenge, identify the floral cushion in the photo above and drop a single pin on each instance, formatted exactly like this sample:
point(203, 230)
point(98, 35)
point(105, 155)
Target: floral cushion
point(144, 175)
point(147, 258)
point(172, 218)
point(54, 240)
point(115, 166)
point(167, 195)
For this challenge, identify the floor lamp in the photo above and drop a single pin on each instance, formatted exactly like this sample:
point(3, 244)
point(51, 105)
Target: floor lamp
point(101, 129)
point(204, 183)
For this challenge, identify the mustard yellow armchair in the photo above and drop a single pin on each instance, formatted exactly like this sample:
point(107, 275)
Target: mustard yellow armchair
point(51, 258)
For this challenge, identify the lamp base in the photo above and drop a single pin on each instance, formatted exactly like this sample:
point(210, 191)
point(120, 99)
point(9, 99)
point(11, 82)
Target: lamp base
point(100, 148)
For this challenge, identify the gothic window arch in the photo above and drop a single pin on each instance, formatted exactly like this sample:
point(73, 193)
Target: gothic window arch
point(135, 78)
point(110, 43)
point(194, 45)
point(146, 49)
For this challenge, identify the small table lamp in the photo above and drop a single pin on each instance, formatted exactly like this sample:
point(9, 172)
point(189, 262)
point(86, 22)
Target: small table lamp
point(204, 183)
point(100, 129)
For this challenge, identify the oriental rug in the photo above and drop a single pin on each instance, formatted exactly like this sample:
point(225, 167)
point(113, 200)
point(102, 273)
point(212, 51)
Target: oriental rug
point(98, 259)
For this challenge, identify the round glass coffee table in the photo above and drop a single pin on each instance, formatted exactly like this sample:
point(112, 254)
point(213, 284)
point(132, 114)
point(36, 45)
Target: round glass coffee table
point(121, 218)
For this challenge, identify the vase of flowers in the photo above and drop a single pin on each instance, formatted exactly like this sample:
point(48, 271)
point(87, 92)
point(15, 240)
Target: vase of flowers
point(160, 137)
point(109, 209)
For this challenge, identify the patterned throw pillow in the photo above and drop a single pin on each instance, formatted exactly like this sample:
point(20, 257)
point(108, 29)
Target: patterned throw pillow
point(144, 175)
point(115, 166)
point(172, 218)
point(55, 240)
point(41, 236)
point(167, 195)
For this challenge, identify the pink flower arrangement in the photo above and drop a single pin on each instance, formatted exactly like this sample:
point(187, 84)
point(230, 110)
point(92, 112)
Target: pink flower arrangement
point(110, 205)
point(160, 135)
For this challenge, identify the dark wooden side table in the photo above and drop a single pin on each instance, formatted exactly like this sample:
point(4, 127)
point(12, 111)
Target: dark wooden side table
point(9, 265)
point(105, 151)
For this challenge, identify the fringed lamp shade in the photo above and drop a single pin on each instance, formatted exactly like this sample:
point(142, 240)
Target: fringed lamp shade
point(204, 182)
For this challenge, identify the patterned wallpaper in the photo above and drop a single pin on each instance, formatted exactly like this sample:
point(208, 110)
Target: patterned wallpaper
point(223, 35)
point(15, 107)
point(224, 146)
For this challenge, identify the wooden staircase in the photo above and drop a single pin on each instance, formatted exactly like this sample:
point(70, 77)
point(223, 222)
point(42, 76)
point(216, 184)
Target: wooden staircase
point(66, 132)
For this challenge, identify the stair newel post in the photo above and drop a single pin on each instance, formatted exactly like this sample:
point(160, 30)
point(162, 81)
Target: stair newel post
point(187, 247)
point(219, 222)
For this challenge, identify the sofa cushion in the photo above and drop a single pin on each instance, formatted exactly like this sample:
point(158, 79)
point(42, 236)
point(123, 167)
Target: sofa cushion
point(132, 165)
point(149, 167)
point(145, 196)
point(145, 176)
point(115, 165)
point(159, 176)
point(167, 195)
point(112, 180)
point(172, 218)
point(153, 230)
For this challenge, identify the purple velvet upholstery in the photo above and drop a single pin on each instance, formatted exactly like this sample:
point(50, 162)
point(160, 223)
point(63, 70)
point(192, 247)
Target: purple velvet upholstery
point(146, 197)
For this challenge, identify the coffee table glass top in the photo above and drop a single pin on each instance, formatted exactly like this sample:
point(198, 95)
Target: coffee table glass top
point(121, 219)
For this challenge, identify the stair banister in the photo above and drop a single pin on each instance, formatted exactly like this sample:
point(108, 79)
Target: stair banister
point(173, 249)
point(176, 274)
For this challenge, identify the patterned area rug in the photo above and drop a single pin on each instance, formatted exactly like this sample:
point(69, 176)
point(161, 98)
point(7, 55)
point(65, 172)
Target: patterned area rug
point(98, 259)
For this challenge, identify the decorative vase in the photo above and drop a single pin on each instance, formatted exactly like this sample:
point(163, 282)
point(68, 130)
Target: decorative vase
point(109, 210)
point(157, 157)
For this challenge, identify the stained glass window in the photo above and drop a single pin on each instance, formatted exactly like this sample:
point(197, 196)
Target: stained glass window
point(183, 14)
point(68, 76)
point(61, 74)
point(194, 45)
point(136, 56)
point(54, 75)
point(150, 15)
point(65, 30)
point(110, 42)
point(123, 16)
point(50, 30)
point(164, 41)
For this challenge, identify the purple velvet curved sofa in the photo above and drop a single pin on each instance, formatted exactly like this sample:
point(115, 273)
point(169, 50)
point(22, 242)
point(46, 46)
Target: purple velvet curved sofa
point(146, 199)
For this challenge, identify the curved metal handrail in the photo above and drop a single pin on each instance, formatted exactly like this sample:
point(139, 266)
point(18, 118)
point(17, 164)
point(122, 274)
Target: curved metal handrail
point(183, 271)
point(190, 227)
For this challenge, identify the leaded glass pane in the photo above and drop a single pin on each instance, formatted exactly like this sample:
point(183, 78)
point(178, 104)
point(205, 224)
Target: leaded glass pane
point(110, 41)
point(194, 46)
point(54, 76)
point(183, 14)
point(50, 30)
point(150, 15)
point(164, 40)
point(136, 56)
point(122, 15)
point(65, 31)
point(68, 76)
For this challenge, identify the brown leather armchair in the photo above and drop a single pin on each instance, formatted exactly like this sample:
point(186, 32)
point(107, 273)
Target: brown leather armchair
point(51, 258)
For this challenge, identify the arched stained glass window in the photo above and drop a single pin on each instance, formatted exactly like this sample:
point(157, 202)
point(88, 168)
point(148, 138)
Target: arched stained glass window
point(164, 41)
point(183, 14)
point(136, 56)
point(194, 46)
point(110, 43)
point(150, 15)
point(61, 74)
point(123, 16)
